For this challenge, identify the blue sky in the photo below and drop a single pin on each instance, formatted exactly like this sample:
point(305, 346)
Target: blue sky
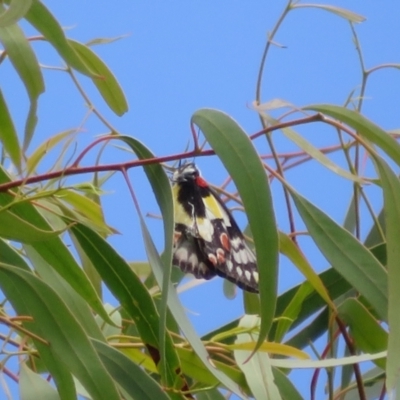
point(177, 57)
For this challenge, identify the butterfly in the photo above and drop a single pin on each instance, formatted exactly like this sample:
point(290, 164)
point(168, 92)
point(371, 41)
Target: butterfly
point(207, 239)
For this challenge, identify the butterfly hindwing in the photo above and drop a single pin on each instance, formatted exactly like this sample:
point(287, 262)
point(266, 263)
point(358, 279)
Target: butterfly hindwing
point(229, 252)
point(188, 254)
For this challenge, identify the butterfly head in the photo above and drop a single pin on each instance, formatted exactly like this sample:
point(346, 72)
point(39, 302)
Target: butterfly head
point(188, 173)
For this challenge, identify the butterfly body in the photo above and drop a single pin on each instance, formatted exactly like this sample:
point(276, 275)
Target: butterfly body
point(207, 239)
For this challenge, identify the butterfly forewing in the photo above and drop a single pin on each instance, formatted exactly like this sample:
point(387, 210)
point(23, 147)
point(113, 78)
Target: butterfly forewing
point(207, 240)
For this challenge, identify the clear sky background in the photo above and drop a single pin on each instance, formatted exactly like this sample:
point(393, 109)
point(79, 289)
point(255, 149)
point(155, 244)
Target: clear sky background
point(180, 56)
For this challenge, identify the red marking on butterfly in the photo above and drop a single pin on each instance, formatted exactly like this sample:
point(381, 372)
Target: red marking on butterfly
point(201, 182)
point(226, 244)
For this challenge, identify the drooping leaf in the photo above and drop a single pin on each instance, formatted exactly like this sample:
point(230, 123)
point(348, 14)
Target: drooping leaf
point(130, 376)
point(104, 80)
point(16, 10)
point(368, 334)
point(243, 164)
point(257, 369)
point(32, 386)
point(341, 12)
point(346, 254)
point(41, 18)
point(8, 134)
point(363, 126)
point(53, 322)
point(130, 291)
point(26, 64)
point(54, 251)
point(391, 195)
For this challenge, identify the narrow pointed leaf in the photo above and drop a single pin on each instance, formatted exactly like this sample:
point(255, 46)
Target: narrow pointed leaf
point(368, 334)
point(179, 313)
point(346, 254)
point(341, 12)
point(16, 10)
point(290, 250)
point(162, 191)
point(258, 369)
point(130, 376)
point(32, 386)
point(38, 154)
point(78, 307)
point(104, 80)
point(41, 18)
point(13, 227)
point(55, 324)
point(8, 255)
point(317, 155)
point(326, 363)
point(363, 126)
point(129, 290)
point(54, 251)
point(8, 134)
point(242, 162)
point(25, 63)
point(286, 388)
point(391, 195)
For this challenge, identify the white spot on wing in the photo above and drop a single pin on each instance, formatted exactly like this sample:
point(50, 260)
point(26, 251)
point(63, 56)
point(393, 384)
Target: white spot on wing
point(239, 271)
point(243, 256)
point(247, 275)
point(205, 229)
point(229, 265)
point(255, 276)
point(182, 254)
point(250, 254)
point(236, 256)
point(193, 260)
point(236, 243)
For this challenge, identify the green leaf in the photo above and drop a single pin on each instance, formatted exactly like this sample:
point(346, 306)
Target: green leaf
point(129, 290)
point(312, 331)
point(25, 63)
point(292, 311)
point(212, 394)
point(16, 10)
point(346, 254)
point(374, 236)
point(32, 386)
point(41, 18)
point(291, 251)
point(341, 12)
point(242, 162)
point(257, 369)
point(367, 333)
point(179, 313)
point(326, 363)
point(162, 191)
point(391, 195)
point(78, 307)
point(130, 376)
point(285, 386)
point(8, 255)
point(53, 321)
point(104, 80)
point(317, 155)
point(336, 286)
point(13, 227)
point(8, 134)
point(363, 126)
point(38, 154)
point(59, 372)
point(54, 251)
